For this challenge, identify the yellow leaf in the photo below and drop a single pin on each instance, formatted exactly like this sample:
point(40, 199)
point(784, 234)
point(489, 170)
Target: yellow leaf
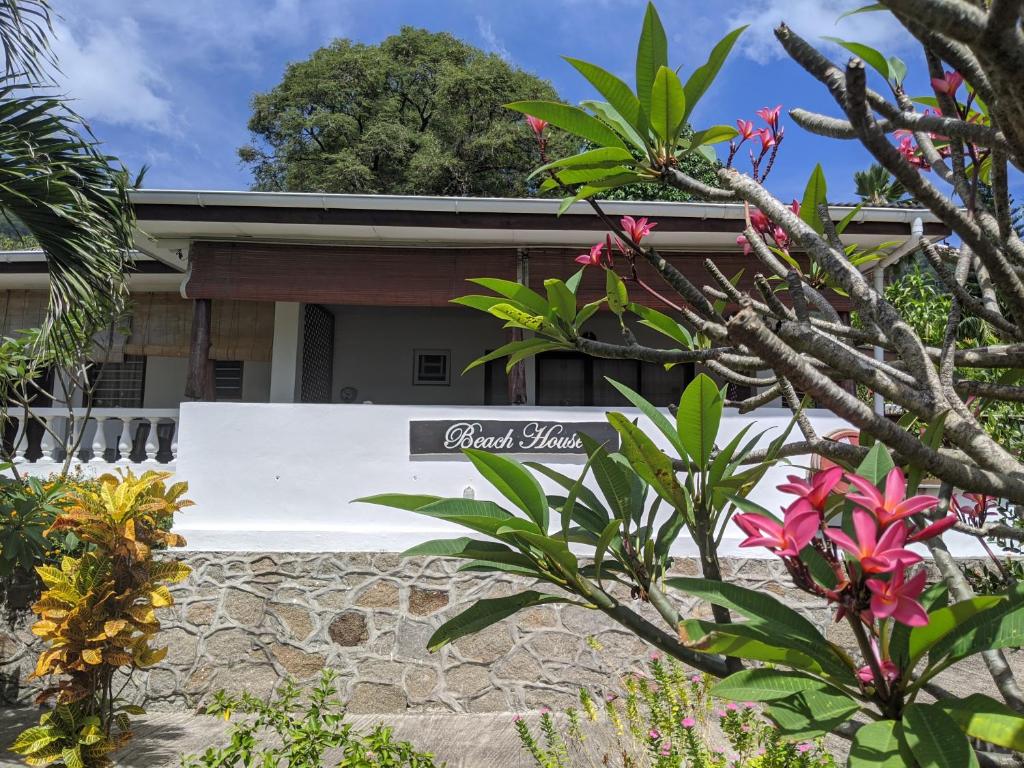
point(114, 626)
point(92, 656)
point(161, 597)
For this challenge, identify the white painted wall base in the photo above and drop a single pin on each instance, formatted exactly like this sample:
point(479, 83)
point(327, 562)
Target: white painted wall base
point(282, 477)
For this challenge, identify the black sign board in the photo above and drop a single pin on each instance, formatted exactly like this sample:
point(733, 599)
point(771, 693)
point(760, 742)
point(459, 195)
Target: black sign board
point(433, 438)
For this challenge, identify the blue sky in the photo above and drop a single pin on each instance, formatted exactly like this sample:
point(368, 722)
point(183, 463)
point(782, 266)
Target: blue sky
point(168, 83)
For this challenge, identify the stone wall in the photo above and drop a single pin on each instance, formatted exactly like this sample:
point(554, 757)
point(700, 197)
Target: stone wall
point(248, 621)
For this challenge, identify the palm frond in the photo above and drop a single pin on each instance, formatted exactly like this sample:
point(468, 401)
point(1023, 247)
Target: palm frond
point(74, 200)
point(25, 28)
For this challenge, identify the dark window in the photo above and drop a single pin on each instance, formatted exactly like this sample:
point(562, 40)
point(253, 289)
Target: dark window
point(431, 366)
point(227, 379)
point(119, 385)
point(571, 379)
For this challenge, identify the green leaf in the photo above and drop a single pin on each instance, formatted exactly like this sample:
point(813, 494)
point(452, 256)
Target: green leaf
point(597, 514)
point(651, 55)
point(863, 9)
point(660, 420)
point(982, 717)
point(878, 745)
point(667, 105)
point(514, 482)
point(407, 501)
point(1000, 626)
point(610, 115)
point(876, 465)
point(618, 94)
point(943, 621)
point(698, 418)
point(572, 176)
point(815, 194)
point(764, 684)
point(571, 119)
point(663, 324)
point(872, 57)
point(602, 545)
point(612, 478)
point(748, 641)
point(648, 460)
point(555, 549)
point(517, 292)
point(470, 549)
point(532, 346)
point(713, 135)
point(602, 157)
point(516, 318)
point(751, 604)
point(618, 298)
point(810, 714)
point(935, 739)
point(561, 299)
point(485, 612)
point(897, 70)
point(702, 78)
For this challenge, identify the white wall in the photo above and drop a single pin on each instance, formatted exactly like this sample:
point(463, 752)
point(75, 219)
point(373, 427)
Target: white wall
point(282, 477)
point(374, 347)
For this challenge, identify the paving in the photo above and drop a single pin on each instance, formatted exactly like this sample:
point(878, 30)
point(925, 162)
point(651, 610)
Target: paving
point(460, 740)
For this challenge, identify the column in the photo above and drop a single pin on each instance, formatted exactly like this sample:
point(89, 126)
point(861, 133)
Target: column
point(286, 357)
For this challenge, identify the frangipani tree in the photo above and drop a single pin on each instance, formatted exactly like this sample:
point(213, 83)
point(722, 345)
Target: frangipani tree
point(848, 548)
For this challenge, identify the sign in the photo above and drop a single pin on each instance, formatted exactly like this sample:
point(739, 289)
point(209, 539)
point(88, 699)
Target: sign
point(433, 438)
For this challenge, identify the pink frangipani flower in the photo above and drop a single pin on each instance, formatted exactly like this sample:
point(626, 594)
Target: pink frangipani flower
point(875, 554)
point(948, 84)
point(768, 139)
point(935, 529)
point(893, 504)
point(536, 124)
point(595, 258)
point(742, 240)
point(637, 229)
point(770, 116)
point(898, 598)
point(799, 526)
point(746, 129)
point(817, 489)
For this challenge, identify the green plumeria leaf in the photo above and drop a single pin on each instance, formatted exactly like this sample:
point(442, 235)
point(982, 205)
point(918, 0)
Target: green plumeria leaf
point(935, 739)
point(571, 119)
point(651, 55)
point(982, 717)
point(879, 745)
point(486, 612)
point(702, 77)
point(619, 95)
point(513, 481)
point(668, 104)
point(815, 194)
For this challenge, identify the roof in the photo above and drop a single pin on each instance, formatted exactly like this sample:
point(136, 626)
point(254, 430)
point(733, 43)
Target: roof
point(170, 220)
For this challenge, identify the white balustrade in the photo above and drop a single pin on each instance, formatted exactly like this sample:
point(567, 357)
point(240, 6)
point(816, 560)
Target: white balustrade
point(107, 436)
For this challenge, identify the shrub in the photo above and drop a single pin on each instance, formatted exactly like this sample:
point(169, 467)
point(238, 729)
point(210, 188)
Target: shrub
point(97, 614)
point(284, 731)
point(665, 718)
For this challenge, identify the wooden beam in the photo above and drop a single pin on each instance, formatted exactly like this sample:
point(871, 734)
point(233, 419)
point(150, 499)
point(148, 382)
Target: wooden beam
point(199, 385)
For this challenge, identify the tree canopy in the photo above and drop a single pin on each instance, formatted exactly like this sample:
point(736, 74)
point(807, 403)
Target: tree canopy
point(420, 113)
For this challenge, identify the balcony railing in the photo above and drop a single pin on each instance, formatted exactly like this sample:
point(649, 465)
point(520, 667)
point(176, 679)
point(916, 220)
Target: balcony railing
point(120, 436)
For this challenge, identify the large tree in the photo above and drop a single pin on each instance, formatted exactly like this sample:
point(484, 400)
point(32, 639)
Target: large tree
point(421, 113)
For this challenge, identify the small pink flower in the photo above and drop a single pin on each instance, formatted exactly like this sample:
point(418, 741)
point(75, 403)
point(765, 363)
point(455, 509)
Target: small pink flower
point(595, 258)
point(799, 526)
point(749, 705)
point(695, 679)
point(817, 490)
point(898, 598)
point(767, 138)
point(722, 713)
point(746, 129)
point(610, 697)
point(893, 504)
point(935, 529)
point(780, 237)
point(666, 748)
point(770, 116)
point(731, 706)
point(975, 512)
point(536, 124)
point(876, 554)
point(637, 229)
point(655, 656)
point(517, 718)
point(949, 84)
point(742, 240)
point(545, 710)
point(804, 747)
point(688, 722)
point(654, 734)
point(890, 672)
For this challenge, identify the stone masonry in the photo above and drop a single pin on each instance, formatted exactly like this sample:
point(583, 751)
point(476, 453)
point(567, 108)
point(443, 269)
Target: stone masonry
point(247, 621)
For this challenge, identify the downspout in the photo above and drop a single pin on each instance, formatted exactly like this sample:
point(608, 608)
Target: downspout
point(916, 235)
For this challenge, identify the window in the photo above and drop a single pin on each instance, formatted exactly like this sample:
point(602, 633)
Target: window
point(572, 379)
point(227, 379)
point(432, 367)
point(119, 385)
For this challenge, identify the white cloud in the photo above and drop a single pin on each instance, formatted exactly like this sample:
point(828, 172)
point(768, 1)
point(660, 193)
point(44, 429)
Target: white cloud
point(106, 72)
point(491, 39)
point(812, 20)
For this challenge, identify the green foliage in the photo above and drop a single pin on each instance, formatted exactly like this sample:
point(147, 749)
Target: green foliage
point(291, 731)
point(651, 121)
point(417, 114)
point(664, 717)
point(876, 186)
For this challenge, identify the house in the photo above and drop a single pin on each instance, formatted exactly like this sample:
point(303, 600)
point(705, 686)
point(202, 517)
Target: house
point(281, 345)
